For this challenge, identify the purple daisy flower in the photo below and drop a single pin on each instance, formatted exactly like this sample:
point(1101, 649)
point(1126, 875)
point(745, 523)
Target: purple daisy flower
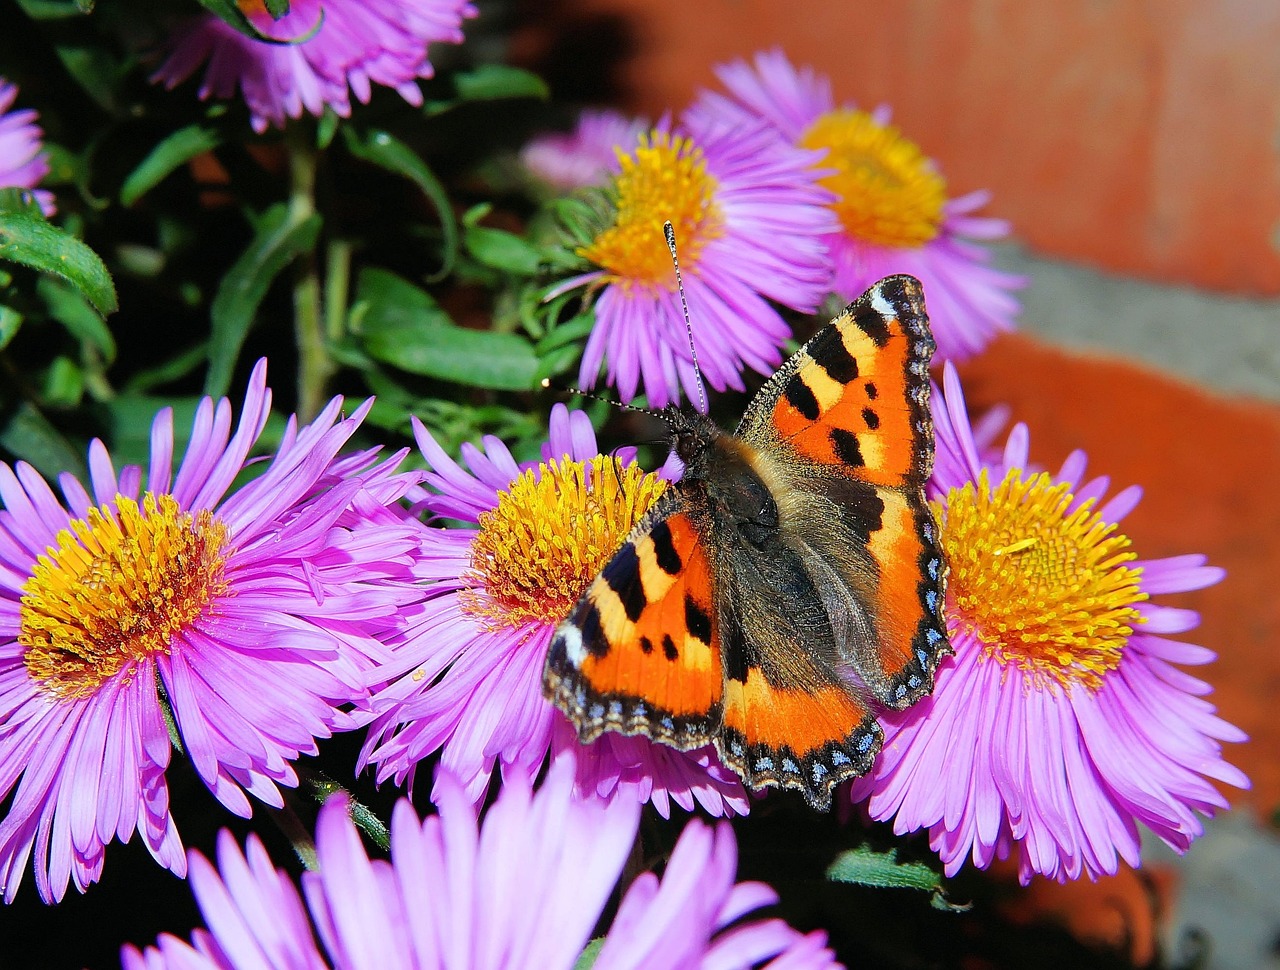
point(891, 202)
point(1062, 722)
point(524, 888)
point(466, 678)
point(586, 156)
point(317, 54)
point(125, 609)
point(749, 220)
point(22, 160)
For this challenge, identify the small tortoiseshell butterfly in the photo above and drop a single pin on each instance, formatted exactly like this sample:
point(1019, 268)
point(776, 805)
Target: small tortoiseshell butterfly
point(789, 577)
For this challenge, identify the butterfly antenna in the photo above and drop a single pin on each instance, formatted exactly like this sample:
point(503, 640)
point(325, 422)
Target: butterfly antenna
point(669, 231)
point(548, 384)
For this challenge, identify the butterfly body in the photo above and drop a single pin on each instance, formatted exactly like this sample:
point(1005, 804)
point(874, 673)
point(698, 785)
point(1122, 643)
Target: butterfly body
point(790, 580)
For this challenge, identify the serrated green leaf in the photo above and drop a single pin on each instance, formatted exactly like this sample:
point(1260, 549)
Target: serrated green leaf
point(503, 250)
point(33, 242)
point(174, 151)
point(278, 239)
point(386, 151)
point(29, 435)
point(401, 325)
point(491, 82)
point(72, 310)
point(866, 867)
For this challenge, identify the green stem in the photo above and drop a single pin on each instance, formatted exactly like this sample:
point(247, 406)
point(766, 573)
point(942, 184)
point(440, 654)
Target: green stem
point(320, 786)
point(314, 365)
point(337, 287)
point(290, 823)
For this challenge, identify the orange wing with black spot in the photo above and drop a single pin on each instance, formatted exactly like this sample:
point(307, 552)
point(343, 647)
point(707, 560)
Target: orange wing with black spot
point(640, 653)
point(853, 405)
point(856, 396)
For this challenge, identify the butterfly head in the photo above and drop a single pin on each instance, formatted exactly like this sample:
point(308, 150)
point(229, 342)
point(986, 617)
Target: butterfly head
point(692, 437)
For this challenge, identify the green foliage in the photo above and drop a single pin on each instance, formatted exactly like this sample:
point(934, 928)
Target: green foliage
point(402, 325)
point(865, 866)
point(280, 235)
point(29, 240)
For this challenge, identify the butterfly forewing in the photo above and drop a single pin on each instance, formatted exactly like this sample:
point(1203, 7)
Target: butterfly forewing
point(639, 653)
point(856, 396)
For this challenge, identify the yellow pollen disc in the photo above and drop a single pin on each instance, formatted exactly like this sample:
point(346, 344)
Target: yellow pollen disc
point(665, 180)
point(1043, 587)
point(888, 193)
point(549, 536)
point(115, 589)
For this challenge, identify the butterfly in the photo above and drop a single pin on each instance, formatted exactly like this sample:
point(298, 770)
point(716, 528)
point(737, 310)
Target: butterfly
point(791, 580)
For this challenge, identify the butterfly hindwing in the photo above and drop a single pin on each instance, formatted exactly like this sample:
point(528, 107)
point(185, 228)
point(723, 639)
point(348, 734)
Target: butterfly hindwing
point(856, 396)
point(640, 654)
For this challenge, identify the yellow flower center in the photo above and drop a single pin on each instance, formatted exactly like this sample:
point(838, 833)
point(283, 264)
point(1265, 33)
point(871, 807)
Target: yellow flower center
point(549, 536)
point(115, 589)
point(665, 181)
point(1045, 588)
point(888, 192)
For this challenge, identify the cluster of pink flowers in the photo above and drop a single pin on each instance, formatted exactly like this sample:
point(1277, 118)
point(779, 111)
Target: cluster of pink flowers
point(316, 56)
point(141, 612)
point(769, 216)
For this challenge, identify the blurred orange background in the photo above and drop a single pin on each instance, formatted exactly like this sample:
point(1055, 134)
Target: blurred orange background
point(1141, 136)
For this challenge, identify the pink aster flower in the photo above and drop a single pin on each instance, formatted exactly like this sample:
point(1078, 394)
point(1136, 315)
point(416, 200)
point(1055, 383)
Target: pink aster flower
point(22, 160)
point(523, 889)
point(586, 156)
point(127, 607)
point(316, 55)
point(749, 220)
point(1064, 720)
point(894, 214)
point(466, 679)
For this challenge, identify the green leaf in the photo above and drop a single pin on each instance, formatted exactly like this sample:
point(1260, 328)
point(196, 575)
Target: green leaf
point(277, 8)
point(279, 238)
point(587, 959)
point(55, 9)
point(174, 151)
point(63, 383)
point(503, 250)
point(229, 12)
point(20, 201)
point(491, 82)
point(865, 866)
point(572, 330)
point(73, 311)
point(171, 370)
point(29, 435)
point(10, 324)
point(386, 151)
point(33, 242)
point(402, 325)
point(96, 69)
